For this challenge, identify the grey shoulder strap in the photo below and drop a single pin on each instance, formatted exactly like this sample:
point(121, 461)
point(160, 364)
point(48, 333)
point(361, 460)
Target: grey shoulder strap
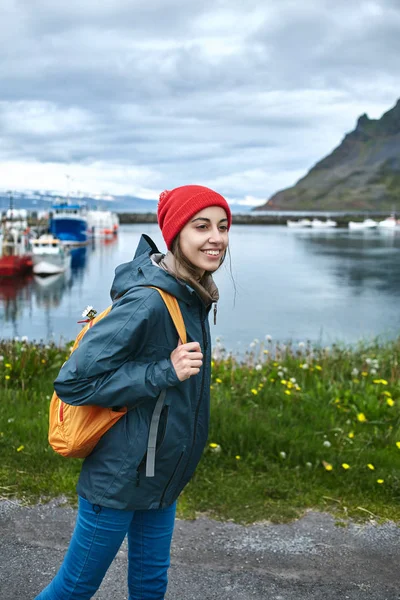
point(152, 441)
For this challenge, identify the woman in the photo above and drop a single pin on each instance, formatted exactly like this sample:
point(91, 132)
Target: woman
point(128, 359)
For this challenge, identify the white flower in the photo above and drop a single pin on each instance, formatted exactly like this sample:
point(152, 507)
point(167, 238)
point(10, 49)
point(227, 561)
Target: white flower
point(87, 311)
point(368, 361)
point(268, 337)
point(47, 347)
point(309, 465)
point(293, 379)
point(16, 339)
point(327, 444)
point(280, 374)
point(355, 372)
point(284, 369)
point(24, 338)
point(282, 454)
point(301, 344)
point(373, 371)
point(258, 367)
point(256, 341)
point(11, 420)
point(304, 366)
point(252, 345)
point(1, 358)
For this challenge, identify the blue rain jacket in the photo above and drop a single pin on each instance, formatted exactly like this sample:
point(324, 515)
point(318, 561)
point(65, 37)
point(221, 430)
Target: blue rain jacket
point(124, 360)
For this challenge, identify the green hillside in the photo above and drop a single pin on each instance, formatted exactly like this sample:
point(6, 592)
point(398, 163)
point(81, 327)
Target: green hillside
point(363, 173)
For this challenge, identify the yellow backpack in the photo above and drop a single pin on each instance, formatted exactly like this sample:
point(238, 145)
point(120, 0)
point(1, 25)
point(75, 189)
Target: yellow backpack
point(75, 430)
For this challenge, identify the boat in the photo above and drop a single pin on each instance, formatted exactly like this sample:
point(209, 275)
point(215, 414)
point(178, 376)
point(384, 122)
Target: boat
point(318, 224)
point(301, 223)
point(15, 260)
point(102, 223)
point(389, 223)
point(68, 223)
point(49, 256)
point(366, 224)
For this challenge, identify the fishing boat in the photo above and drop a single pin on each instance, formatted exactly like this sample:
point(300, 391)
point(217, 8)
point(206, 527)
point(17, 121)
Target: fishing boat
point(300, 224)
point(318, 224)
point(49, 256)
point(15, 260)
point(366, 224)
point(68, 223)
point(102, 223)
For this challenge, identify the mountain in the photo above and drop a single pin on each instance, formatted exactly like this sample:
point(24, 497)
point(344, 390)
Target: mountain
point(42, 201)
point(362, 173)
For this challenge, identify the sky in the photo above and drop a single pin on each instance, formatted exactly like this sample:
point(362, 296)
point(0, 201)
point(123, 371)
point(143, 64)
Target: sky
point(127, 97)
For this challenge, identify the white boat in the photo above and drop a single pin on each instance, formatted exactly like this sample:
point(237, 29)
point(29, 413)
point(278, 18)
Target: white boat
point(102, 223)
point(366, 224)
point(299, 224)
point(389, 223)
point(318, 224)
point(49, 256)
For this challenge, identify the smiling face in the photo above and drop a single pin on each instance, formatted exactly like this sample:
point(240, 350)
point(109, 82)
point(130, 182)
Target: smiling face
point(204, 239)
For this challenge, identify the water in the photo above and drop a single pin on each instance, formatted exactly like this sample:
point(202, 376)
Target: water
point(324, 286)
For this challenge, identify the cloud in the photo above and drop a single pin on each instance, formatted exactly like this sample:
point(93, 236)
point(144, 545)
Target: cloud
point(145, 96)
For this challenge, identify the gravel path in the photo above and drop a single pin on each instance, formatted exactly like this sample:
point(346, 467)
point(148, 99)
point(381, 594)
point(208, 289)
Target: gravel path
point(310, 558)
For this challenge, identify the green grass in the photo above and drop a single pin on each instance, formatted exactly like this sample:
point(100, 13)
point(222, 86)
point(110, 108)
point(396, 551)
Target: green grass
point(291, 429)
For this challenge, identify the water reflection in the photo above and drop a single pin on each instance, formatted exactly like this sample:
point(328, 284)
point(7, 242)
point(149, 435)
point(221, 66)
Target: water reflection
point(15, 295)
point(363, 260)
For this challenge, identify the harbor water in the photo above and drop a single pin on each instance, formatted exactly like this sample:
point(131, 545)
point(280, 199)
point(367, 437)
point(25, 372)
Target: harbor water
point(320, 285)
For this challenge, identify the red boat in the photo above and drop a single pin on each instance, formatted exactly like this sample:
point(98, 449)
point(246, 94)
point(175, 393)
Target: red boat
point(10, 266)
point(15, 259)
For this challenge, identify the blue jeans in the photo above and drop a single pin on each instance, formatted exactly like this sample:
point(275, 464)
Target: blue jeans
point(98, 535)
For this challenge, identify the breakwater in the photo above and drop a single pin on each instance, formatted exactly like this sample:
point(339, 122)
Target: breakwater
point(342, 220)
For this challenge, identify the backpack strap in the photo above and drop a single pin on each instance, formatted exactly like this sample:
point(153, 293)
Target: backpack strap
point(173, 308)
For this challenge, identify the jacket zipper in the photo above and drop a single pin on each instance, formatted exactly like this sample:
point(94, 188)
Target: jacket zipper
point(203, 331)
point(172, 476)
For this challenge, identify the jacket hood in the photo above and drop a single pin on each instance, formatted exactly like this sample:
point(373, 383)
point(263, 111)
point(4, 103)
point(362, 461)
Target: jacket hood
point(142, 272)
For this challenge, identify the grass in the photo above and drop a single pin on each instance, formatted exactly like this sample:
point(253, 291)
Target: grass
point(292, 428)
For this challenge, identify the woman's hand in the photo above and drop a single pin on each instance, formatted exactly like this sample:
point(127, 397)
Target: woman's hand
point(187, 359)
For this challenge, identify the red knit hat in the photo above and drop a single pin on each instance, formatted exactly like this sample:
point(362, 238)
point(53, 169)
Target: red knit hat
point(178, 206)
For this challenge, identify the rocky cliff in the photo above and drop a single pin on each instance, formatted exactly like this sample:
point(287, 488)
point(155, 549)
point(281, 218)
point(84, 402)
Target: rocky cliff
point(363, 173)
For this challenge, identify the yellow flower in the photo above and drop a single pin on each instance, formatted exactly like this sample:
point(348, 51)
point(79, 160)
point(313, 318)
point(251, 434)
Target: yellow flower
point(265, 351)
point(218, 380)
point(212, 364)
point(386, 393)
point(255, 392)
point(283, 381)
point(8, 366)
point(382, 381)
point(298, 388)
point(43, 361)
point(351, 435)
point(275, 364)
point(272, 380)
point(7, 377)
point(364, 373)
point(390, 402)
point(211, 387)
point(290, 385)
point(287, 392)
point(318, 367)
point(371, 467)
point(238, 457)
point(356, 381)
point(213, 445)
point(345, 466)
point(337, 400)
point(328, 466)
point(361, 417)
point(20, 448)
point(380, 481)
point(398, 445)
